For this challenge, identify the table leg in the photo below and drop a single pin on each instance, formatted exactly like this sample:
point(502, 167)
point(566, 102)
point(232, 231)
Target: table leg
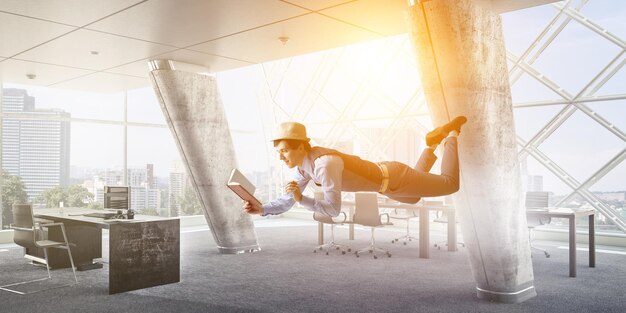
point(351, 229)
point(592, 240)
point(424, 232)
point(320, 233)
point(451, 231)
point(572, 246)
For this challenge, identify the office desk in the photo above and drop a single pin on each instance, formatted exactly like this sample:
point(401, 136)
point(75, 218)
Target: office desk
point(424, 226)
point(571, 215)
point(143, 252)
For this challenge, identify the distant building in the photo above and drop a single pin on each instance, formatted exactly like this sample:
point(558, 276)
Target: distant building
point(178, 180)
point(35, 147)
point(105, 178)
point(611, 196)
point(142, 193)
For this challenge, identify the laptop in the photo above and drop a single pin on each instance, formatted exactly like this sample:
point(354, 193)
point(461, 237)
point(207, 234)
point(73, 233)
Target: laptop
point(240, 185)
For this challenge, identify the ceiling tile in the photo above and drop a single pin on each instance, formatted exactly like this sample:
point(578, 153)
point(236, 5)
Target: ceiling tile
point(384, 17)
point(104, 83)
point(317, 4)
point(186, 22)
point(212, 62)
point(19, 33)
point(308, 33)
point(72, 12)
point(74, 50)
point(15, 71)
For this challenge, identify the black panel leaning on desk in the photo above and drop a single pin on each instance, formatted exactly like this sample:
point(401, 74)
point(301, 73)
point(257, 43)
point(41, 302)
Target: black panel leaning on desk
point(143, 252)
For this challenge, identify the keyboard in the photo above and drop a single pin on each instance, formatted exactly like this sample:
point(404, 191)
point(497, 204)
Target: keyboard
point(100, 215)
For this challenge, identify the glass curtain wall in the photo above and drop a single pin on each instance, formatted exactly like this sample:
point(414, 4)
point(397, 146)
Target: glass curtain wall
point(566, 65)
point(61, 147)
point(568, 82)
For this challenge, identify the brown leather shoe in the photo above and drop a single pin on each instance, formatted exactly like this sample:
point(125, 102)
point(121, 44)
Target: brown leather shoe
point(438, 134)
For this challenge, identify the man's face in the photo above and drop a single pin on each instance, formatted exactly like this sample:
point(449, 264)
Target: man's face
point(291, 157)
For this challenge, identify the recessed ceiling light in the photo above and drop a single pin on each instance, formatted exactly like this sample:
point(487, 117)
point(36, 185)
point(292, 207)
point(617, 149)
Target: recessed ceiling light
point(283, 39)
point(94, 52)
point(31, 76)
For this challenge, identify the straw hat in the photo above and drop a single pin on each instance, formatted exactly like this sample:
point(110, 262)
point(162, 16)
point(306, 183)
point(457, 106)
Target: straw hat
point(291, 130)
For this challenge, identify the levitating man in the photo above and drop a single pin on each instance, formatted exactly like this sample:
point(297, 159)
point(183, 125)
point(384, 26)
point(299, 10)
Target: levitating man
point(335, 172)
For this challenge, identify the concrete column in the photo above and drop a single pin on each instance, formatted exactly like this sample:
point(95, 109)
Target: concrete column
point(194, 112)
point(462, 63)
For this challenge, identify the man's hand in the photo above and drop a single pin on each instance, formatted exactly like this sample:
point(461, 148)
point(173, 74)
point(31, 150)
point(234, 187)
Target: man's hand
point(252, 208)
point(292, 188)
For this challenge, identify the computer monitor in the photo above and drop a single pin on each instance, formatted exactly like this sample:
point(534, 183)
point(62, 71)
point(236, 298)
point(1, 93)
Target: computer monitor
point(117, 197)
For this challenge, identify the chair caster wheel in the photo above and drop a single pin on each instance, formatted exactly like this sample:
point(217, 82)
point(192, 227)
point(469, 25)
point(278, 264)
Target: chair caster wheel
point(326, 252)
point(375, 257)
point(349, 250)
point(388, 255)
point(343, 252)
point(357, 255)
point(405, 243)
point(337, 248)
point(314, 251)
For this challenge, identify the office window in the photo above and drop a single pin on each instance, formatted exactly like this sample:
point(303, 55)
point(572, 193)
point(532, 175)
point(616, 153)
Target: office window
point(578, 84)
point(143, 107)
point(152, 159)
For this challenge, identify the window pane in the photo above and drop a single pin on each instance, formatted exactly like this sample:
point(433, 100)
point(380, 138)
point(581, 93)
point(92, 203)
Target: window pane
point(522, 27)
point(529, 120)
point(575, 57)
point(581, 146)
point(152, 155)
point(78, 104)
point(97, 157)
point(144, 107)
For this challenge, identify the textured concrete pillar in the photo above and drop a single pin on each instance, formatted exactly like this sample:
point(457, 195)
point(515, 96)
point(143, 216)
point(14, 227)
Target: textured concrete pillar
point(194, 112)
point(461, 57)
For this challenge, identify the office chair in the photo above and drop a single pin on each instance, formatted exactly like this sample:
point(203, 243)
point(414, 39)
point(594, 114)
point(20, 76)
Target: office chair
point(332, 244)
point(536, 201)
point(407, 215)
point(366, 214)
point(25, 233)
point(444, 219)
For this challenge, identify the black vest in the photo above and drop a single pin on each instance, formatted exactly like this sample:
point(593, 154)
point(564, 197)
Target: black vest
point(363, 168)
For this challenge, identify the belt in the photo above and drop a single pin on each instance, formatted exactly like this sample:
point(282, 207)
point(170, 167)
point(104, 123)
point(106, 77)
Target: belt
point(385, 183)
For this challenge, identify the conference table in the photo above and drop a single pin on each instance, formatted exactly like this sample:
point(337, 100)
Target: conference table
point(143, 252)
point(571, 215)
point(423, 208)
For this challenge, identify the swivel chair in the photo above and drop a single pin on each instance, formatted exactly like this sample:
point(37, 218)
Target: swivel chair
point(25, 233)
point(366, 214)
point(327, 247)
point(444, 219)
point(407, 215)
point(324, 219)
point(536, 201)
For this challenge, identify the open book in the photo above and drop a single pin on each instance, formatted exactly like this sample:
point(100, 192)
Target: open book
point(240, 185)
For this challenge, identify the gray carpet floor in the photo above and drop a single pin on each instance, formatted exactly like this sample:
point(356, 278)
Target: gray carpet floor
point(286, 276)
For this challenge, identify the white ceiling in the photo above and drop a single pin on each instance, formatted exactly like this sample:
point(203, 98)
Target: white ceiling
point(54, 39)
